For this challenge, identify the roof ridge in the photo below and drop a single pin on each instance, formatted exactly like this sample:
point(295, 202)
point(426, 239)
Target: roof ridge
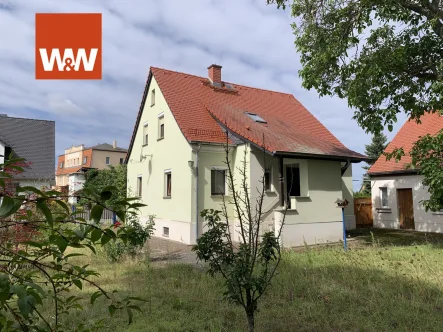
point(235, 84)
point(20, 118)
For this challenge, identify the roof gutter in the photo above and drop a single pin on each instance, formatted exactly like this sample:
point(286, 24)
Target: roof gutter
point(320, 157)
point(401, 172)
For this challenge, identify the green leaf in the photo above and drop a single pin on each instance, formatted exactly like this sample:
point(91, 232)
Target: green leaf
point(78, 283)
point(24, 306)
point(7, 207)
point(61, 243)
point(95, 296)
point(41, 205)
point(96, 234)
point(31, 189)
point(105, 195)
point(96, 213)
point(130, 315)
point(111, 309)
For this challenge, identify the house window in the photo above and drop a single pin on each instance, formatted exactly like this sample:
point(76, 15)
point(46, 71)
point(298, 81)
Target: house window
point(108, 160)
point(268, 179)
point(61, 164)
point(384, 197)
point(153, 97)
point(145, 134)
point(293, 180)
point(139, 186)
point(218, 181)
point(168, 183)
point(161, 126)
point(121, 161)
point(85, 160)
point(166, 231)
point(78, 161)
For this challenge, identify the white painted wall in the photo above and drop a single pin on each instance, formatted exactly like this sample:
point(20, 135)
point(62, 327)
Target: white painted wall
point(388, 218)
point(2, 153)
point(39, 184)
point(76, 182)
point(150, 162)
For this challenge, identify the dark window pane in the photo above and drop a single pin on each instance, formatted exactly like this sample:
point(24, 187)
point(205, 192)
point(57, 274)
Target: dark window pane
point(162, 130)
point(267, 181)
point(168, 184)
point(293, 181)
point(218, 182)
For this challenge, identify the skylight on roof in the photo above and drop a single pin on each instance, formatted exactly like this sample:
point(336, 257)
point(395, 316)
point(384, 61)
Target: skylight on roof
point(256, 117)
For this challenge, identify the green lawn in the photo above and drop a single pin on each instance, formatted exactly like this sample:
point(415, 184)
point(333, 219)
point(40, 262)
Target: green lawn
point(392, 284)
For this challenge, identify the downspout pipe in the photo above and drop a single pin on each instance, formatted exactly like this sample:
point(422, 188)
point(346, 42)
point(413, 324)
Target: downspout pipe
point(196, 192)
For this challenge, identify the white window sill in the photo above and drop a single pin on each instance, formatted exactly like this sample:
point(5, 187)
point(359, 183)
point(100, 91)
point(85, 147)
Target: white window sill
point(438, 213)
point(167, 197)
point(160, 138)
point(219, 196)
point(384, 210)
point(165, 235)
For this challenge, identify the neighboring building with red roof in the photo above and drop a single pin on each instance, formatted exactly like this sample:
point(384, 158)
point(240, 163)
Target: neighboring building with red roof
point(72, 165)
point(176, 157)
point(397, 189)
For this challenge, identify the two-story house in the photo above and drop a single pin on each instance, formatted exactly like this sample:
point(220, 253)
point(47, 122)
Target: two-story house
point(176, 157)
point(72, 165)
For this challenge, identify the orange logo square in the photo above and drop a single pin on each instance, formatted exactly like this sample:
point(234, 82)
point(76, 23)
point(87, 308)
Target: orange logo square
point(68, 46)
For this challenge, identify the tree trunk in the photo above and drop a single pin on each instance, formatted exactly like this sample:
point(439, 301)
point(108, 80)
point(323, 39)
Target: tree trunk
point(250, 321)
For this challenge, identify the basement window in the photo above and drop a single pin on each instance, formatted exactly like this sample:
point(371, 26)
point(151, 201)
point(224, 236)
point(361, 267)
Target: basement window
point(166, 231)
point(255, 117)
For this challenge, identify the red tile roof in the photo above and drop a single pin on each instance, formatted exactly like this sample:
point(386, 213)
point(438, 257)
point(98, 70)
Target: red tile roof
point(200, 109)
point(431, 123)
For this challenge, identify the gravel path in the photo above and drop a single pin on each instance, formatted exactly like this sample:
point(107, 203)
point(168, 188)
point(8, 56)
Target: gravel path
point(167, 251)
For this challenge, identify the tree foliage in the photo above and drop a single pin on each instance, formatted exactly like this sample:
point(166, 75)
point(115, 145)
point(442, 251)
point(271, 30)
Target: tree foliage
point(427, 155)
point(249, 264)
point(97, 180)
point(40, 272)
point(373, 150)
point(384, 56)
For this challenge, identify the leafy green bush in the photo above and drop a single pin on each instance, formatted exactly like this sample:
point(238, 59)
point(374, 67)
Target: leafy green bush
point(136, 238)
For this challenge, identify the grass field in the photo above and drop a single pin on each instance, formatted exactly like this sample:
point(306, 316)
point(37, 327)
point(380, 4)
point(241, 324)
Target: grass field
point(391, 284)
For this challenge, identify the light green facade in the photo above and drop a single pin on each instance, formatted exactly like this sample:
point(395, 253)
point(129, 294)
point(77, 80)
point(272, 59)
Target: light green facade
point(314, 217)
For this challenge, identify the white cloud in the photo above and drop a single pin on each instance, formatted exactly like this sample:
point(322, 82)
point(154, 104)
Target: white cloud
point(253, 42)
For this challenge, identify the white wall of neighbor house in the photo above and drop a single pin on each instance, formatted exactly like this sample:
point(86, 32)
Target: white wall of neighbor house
point(2, 153)
point(387, 217)
point(314, 217)
point(151, 161)
point(39, 184)
point(75, 182)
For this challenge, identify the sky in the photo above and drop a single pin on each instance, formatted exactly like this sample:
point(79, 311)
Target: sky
point(251, 40)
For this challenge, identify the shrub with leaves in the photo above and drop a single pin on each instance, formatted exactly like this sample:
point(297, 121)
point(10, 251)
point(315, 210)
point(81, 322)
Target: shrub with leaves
point(39, 273)
point(136, 239)
point(247, 266)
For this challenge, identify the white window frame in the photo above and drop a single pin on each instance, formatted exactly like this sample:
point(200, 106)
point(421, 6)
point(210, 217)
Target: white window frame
point(85, 160)
point(219, 168)
point(381, 197)
point(165, 183)
point(106, 160)
point(164, 233)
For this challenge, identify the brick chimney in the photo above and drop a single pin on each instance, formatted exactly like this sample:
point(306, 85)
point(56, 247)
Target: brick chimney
point(214, 73)
point(114, 144)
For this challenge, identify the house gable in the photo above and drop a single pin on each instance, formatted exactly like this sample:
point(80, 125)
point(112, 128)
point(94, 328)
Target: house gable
point(410, 132)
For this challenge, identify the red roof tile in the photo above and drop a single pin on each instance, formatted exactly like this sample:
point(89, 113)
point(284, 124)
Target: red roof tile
point(431, 123)
point(199, 109)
